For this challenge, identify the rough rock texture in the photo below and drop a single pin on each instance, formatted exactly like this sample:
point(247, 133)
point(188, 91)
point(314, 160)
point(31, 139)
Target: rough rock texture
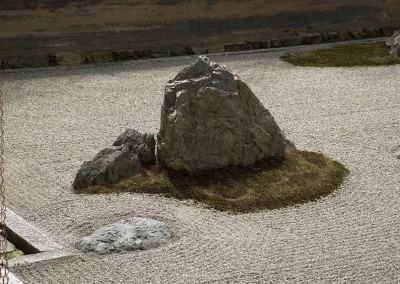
point(109, 166)
point(131, 234)
point(291, 40)
point(123, 159)
point(310, 38)
point(210, 119)
point(100, 57)
point(394, 43)
point(141, 144)
point(68, 58)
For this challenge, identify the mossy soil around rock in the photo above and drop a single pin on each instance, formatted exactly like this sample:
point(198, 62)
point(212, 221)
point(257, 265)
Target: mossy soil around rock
point(364, 54)
point(300, 177)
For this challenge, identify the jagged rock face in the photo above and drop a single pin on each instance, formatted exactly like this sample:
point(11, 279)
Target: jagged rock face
point(141, 144)
point(210, 119)
point(123, 159)
point(109, 166)
point(394, 43)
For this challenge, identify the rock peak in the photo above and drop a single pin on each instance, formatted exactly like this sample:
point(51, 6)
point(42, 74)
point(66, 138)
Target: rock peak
point(203, 67)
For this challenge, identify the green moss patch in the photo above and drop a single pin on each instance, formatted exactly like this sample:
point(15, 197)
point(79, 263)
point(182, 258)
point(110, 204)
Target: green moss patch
point(300, 177)
point(366, 54)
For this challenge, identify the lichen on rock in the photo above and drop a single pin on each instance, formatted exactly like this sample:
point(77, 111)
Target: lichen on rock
point(127, 235)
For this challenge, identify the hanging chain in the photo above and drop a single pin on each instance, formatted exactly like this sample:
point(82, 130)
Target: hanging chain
point(3, 230)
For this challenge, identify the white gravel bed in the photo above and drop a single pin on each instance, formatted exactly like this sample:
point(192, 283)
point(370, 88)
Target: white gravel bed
point(56, 118)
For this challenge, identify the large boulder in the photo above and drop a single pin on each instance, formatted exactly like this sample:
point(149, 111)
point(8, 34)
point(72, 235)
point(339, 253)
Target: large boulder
point(109, 166)
point(210, 119)
point(394, 43)
point(132, 234)
point(141, 144)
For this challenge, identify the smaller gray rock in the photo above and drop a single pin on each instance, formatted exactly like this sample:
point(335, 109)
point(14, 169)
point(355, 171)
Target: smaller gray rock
point(357, 33)
point(236, 47)
point(343, 35)
point(127, 235)
point(109, 166)
point(15, 62)
point(160, 52)
point(140, 144)
point(266, 43)
point(96, 57)
point(124, 55)
point(310, 38)
point(255, 44)
point(371, 32)
point(333, 36)
point(388, 30)
point(68, 58)
point(290, 40)
point(275, 42)
point(394, 43)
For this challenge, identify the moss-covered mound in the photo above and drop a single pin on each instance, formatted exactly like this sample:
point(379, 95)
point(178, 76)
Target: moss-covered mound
point(302, 176)
point(366, 54)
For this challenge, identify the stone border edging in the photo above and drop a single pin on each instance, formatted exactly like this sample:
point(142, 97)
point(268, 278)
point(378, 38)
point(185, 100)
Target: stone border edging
point(31, 240)
point(13, 279)
point(296, 39)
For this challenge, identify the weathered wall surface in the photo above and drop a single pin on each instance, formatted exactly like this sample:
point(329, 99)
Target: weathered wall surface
point(109, 24)
point(393, 9)
point(187, 17)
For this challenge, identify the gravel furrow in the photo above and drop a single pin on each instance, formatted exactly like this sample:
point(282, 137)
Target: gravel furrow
point(58, 117)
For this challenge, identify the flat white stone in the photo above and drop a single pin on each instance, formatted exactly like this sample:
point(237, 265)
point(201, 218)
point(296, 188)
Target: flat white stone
point(131, 234)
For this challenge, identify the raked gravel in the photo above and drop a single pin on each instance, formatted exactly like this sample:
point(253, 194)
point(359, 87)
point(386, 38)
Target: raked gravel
point(58, 117)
